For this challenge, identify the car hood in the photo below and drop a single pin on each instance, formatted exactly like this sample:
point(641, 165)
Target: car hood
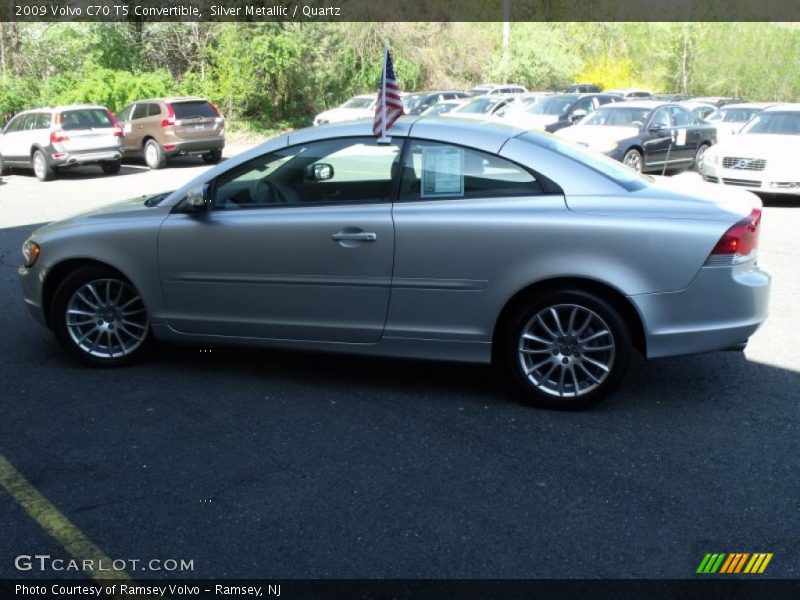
point(125, 209)
point(597, 135)
point(679, 197)
point(759, 145)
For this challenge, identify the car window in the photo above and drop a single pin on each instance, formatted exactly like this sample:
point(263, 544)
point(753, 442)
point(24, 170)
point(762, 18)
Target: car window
point(27, 122)
point(433, 170)
point(85, 118)
point(661, 118)
point(153, 110)
point(680, 117)
point(781, 123)
point(42, 121)
point(125, 113)
point(584, 104)
point(351, 170)
point(14, 124)
point(139, 111)
point(193, 110)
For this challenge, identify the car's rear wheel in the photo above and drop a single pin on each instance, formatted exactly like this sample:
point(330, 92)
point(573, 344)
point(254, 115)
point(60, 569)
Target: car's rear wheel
point(566, 349)
point(111, 167)
point(154, 155)
point(213, 157)
point(633, 159)
point(100, 318)
point(699, 157)
point(41, 169)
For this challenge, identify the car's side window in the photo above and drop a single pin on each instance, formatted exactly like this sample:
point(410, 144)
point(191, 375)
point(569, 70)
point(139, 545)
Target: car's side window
point(28, 122)
point(153, 110)
point(346, 170)
point(125, 114)
point(661, 118)
point(139, 111)
point(13, 124)
point(433, 170)
point(680, 117)
point(42, 121)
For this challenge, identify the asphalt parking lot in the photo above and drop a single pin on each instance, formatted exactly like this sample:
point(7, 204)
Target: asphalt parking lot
point(257, 463)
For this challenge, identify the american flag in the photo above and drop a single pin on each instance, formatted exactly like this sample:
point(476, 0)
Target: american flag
point(389, 107)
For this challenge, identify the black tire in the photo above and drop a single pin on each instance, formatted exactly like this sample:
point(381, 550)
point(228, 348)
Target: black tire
point(65, 293)
point(111, 167)
point(698, 157)
point(154, 156)
point(633, 159)
point(42, 170)
point(566, 354)
point(3, 167)
point(212, 157)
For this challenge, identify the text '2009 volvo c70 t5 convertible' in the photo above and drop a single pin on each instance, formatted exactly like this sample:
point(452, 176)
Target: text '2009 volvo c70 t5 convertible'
point(456, 240)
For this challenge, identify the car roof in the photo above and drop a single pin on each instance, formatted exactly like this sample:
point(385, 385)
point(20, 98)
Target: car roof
point(60, 108)
point(789, 107)
point(647, 104)
point(761, 105)
point(172, 99)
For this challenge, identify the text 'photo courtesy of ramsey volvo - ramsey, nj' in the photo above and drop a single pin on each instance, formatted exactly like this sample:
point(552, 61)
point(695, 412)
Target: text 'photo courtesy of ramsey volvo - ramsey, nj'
point(457, 240)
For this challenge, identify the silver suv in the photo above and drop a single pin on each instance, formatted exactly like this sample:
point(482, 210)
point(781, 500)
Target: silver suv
point(47, 139)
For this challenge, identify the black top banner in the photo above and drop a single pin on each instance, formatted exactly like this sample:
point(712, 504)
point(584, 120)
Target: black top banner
point(401, 10)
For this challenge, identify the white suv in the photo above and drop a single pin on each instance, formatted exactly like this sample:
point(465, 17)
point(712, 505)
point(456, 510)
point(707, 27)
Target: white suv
point(46, 139)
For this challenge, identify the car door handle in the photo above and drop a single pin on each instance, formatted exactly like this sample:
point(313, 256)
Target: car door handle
point(355, 236)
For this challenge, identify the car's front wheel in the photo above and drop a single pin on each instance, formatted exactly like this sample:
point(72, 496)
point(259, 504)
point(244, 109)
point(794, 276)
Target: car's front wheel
point(699, 157)
point(100, 318)
point(566, 349)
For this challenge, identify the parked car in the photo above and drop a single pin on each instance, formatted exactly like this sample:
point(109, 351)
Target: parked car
point(418, 103)
point(457, 240)
point(718, 100)
point(444, 107)
point(699, 110)
point(496, 88)
point(481, 107)
point(49, 139)
point(584, 88)
point(357, 107)
point(561, 110)
point(730, 118)
point(520, 103)
point(160, 128)
point(645, 135)
point(631, 93)
point(762, 157)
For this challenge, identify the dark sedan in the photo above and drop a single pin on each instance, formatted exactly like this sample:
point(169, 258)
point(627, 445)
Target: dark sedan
point(645, 135)
point(416, 104)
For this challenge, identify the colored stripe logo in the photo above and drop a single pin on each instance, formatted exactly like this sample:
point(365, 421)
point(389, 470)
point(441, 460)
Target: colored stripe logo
point(730, 563)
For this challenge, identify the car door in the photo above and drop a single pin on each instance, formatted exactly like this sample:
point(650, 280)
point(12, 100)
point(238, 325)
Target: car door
point(12, 143)
point(657, 137)
point(298, 245)
point(124, 119)
point(687, 136)
point(135, 129)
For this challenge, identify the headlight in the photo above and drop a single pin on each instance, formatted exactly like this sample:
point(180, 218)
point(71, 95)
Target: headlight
point(605, 147)
point(30, 252)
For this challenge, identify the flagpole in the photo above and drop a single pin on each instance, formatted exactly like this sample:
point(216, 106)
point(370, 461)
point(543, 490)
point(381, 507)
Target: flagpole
point(383, 139)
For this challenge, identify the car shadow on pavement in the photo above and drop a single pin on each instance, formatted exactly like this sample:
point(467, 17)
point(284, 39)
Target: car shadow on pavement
point(780, 200)
point(176, 162)
point(80, 173)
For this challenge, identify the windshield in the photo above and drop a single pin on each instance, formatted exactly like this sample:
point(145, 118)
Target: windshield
point(551, 106)
point(780, 123)
point(411, 102)
point(358, 103)
point(477, 106)
point(621, 117)
point(85, 118)
point(623, 176)
point(732, 115)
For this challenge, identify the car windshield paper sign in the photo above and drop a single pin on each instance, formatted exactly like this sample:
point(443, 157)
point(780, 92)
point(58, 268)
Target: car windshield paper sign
point(442, 172)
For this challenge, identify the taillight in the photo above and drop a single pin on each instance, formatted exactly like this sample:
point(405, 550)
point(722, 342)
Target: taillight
point(741, 240)
point(57, 135)
point(115, 123)
point(216, 110)
point(170, 119)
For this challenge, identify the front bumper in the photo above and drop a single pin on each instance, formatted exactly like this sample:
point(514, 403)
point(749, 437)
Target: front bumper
point(767, 182)
point(32, 280)
point(720, 309)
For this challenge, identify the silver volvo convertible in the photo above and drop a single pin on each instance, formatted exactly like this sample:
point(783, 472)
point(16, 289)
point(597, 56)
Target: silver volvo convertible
point(455, 241)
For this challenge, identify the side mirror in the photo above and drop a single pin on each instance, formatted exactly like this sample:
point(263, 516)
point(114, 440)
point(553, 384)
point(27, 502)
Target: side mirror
point(198, 199)
point(577, 115)
point(319, 172)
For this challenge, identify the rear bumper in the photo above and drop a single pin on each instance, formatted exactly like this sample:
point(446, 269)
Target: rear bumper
point(720, 310)
point(193, 146)
point(83, 157)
